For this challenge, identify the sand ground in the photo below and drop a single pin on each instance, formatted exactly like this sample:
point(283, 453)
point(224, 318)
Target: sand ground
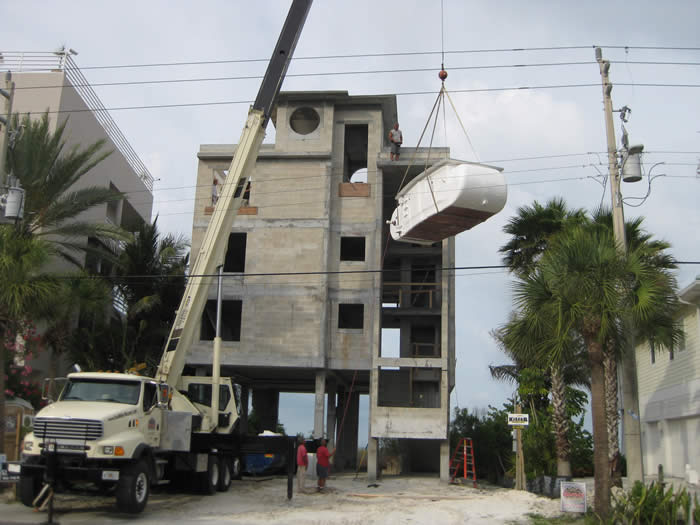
point(347, 501)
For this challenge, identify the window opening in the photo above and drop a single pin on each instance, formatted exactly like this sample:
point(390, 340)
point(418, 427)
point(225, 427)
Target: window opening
point(201, 393)
point(235, 253)
point(352, 248)
point(304, 120)
point(351, 316)
point(230, 320)
point(653, 352)
point(150, 395)
point(355, 150)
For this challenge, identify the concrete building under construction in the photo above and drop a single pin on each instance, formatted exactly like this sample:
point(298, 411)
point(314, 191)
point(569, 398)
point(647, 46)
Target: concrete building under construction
point(313, 279)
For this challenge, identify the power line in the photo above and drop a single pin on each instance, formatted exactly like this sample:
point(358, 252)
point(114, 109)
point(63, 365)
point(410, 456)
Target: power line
point(396, 54)
point(240, 275)
point(342, 73)
point(406, 93)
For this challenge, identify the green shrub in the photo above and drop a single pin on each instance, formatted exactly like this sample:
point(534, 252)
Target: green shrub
point(652, 505)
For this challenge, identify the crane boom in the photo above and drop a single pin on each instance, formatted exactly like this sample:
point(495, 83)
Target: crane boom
point(212, 251)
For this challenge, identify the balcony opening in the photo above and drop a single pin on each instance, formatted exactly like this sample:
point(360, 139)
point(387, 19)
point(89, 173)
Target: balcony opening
point(235, 253)
point(352, 248)
point(351, 316)
point(230, 320)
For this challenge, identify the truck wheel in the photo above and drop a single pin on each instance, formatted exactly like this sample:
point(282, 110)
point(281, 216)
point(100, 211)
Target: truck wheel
point(224, 474)
point(236, 468)
point(28, 488)
point(209, 480)
point(133, 488)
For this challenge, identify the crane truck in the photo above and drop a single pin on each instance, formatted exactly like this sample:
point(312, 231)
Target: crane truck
point(124, 433)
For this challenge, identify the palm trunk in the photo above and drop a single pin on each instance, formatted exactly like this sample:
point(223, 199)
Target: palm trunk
point(600, 428)
point(612, 415)
point(561, 422)
point(3, 336)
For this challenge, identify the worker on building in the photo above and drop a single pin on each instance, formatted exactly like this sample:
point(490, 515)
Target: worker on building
point(323, 463)
point(302, 464)
point(396, 139)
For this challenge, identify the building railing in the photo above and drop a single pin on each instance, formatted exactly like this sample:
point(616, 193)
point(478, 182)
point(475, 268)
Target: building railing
point(425, 349)
point(22, 61)
point(397, 292)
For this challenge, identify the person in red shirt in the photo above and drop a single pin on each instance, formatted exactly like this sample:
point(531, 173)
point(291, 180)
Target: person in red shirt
point(322, 463)
point(302, 464)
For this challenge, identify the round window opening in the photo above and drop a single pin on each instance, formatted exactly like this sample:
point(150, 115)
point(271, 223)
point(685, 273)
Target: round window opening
point(304, 120)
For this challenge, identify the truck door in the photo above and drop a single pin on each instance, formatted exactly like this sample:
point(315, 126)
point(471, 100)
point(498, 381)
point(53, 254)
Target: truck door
point(152, 414)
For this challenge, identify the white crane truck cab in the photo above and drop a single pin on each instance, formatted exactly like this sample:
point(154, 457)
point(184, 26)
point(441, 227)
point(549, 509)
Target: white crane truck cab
point(119, 433)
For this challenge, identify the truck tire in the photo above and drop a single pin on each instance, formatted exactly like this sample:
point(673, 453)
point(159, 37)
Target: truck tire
point(133, 488)
point(236, 468)
point(209, 480)
point(28, 488)
point(224, 474)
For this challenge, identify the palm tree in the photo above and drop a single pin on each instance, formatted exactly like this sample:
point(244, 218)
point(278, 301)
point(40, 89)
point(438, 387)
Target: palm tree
point(75, 293)
point(585, 285)
point(24, 286)
point(519, 343)
point(661, 329)
point(48, 172)
point(531, 230)
point(149, 301)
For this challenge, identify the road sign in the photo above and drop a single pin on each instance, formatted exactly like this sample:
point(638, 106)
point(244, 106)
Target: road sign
point(520, 420)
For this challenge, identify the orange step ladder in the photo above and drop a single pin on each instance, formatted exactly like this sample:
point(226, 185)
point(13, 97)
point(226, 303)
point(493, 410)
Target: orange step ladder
point(462, 462)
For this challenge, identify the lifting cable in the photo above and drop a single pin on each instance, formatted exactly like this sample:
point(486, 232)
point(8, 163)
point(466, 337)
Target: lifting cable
point(435, 112)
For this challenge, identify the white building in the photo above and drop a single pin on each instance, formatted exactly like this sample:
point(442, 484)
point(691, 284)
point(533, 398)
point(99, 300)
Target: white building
point(53, 82)
point(669, 395)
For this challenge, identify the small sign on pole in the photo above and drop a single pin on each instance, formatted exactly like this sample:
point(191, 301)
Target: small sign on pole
point(573, 496)
point(518, 420)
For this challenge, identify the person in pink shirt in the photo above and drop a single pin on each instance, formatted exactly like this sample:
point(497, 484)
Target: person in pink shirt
point(323, 463)
point(302, 464)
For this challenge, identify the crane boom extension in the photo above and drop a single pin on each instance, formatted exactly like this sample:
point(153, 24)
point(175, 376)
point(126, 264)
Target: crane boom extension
point(212, 251)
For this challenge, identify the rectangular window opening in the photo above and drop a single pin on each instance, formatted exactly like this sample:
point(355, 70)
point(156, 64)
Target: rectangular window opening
point(652, 352)
point(351, 316)
point(355, 158)
point(352, 248)
point(235, 253)
point(230, 320)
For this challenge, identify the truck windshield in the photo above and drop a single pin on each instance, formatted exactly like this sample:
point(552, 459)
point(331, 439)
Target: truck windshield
point(106, 391)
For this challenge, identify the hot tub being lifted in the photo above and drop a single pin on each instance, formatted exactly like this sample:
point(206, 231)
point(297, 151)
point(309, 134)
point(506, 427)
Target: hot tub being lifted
point(450, 197)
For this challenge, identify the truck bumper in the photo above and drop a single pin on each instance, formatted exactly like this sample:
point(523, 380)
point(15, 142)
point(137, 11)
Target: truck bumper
point(74, 470)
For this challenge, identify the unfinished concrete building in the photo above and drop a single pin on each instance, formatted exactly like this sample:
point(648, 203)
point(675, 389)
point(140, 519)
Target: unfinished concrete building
point(304, 300)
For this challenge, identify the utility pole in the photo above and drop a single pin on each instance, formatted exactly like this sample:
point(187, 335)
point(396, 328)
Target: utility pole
point(631, 425)
point(8, 94)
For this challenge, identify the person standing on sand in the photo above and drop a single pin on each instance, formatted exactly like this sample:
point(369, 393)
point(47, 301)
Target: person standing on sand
point(323, 464)
point(302, 464)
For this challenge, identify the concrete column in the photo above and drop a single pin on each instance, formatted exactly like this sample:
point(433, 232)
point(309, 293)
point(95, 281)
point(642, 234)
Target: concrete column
point(244, 409)
point(331, 414)
point(445, 460)
point(372, 452)
point(319, 403)
point(266, 408)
